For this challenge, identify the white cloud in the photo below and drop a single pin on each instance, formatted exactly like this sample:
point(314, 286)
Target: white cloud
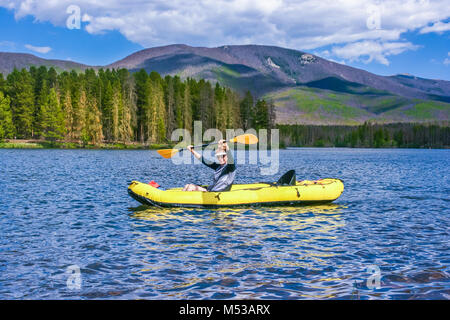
point(447, 60)
point(438, 27)
point(373, 50)
point(300, 24)
point(38, 49)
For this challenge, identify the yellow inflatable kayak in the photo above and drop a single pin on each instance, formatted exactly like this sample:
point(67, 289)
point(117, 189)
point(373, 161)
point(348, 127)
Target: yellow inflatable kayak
point(297, 193)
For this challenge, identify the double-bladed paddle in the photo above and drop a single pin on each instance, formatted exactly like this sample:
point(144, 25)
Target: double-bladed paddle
point(244, 139)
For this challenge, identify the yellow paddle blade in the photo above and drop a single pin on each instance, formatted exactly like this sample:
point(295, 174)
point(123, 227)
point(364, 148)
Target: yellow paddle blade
point(246, 139)
point(167, 153)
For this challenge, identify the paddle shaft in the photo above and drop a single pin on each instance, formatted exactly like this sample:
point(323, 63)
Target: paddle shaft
point(200, 146)
point(244, 139)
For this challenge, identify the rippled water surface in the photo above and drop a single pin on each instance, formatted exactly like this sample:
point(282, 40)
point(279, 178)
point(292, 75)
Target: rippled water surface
point(386, 237)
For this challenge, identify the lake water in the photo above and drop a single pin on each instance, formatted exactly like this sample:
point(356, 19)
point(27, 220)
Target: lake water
point(69, 230)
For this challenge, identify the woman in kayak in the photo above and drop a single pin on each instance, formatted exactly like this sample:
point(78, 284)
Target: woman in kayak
point(225, 170)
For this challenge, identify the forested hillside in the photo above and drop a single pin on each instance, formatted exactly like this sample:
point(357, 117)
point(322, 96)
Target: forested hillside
point(118, 106)
point(304, 88)
point(367, 135)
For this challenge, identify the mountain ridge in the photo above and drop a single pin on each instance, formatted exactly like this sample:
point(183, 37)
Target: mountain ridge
point(267, 71)
point(19, 60)
point(297, 68)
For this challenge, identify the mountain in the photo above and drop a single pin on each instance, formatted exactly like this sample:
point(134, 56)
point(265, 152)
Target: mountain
point(10, 60)
point(436, 89)
point(305, 88)
point(313, 105)
point(286, 67)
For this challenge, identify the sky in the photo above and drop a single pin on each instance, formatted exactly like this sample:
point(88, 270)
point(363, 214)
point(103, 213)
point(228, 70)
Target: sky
point(384, 37)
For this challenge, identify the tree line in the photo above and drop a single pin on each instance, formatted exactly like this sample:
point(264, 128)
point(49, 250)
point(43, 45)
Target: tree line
point(367, 135)
point(94, 107)
point(119, 106)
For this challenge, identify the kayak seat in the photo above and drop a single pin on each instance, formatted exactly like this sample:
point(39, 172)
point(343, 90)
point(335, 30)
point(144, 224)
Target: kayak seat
point(287, 179)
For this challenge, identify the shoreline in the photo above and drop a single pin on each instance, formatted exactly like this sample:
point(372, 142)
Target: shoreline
point(42, 144)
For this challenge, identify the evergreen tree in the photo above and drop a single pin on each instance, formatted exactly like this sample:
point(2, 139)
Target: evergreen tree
point(81, 115)
point(119, 106)
point(127, 110)
point(40, 88)
point(157, 130)
point(20, 91)
point(378, 138)
point(178, 114)
point(187, 109)
point(354, 139)
point(142, 87)
point(108, 110)
point(170, 99)
point(66, 104)
point(40, 109)
point(398, 138)
point(220, 109)
point(78, 109)
point(2, 83)
point(234, 110)
point(271, 116)
point(52, 77)
point(206, 109)
point(194, 93)
point(246, 111)
point(261, 117)
point(6, 123)
point(93, 131)
point(117, 110)
point(53, 125)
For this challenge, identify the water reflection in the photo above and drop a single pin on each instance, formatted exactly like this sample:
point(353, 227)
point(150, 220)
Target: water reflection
point(237, 251)
point(155, 213)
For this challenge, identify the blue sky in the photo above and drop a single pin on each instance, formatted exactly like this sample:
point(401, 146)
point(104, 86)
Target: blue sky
point(383, 37)
point(76, 44)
